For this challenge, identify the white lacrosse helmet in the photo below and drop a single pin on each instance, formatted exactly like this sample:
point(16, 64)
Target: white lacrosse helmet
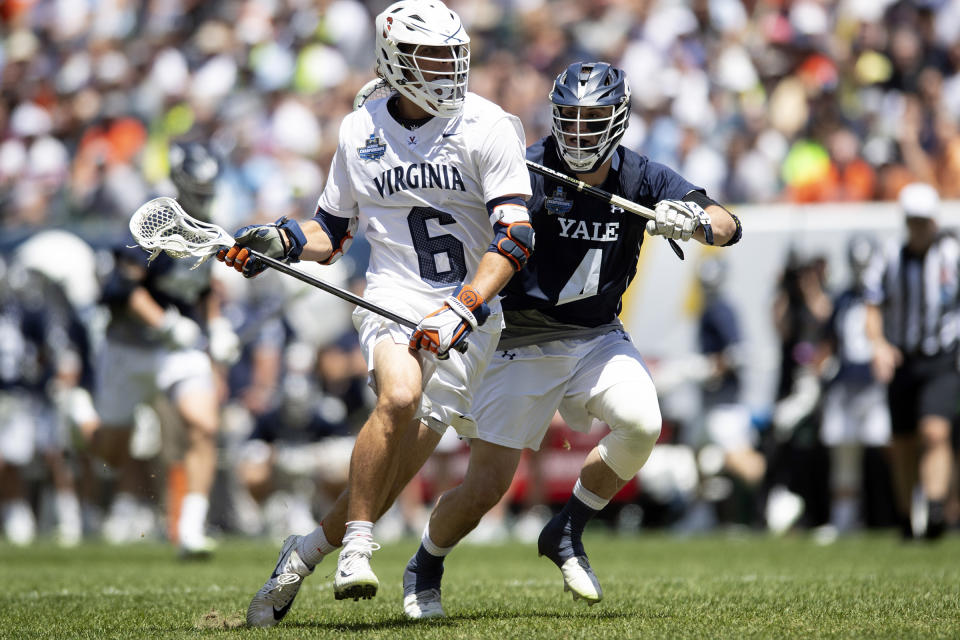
point(403, 30)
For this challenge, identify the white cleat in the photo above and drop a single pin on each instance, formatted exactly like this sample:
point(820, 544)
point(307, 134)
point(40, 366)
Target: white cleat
point(275, 597)
point(423, 604)
point(579, 579)
point(200, 549)
point(354, 578)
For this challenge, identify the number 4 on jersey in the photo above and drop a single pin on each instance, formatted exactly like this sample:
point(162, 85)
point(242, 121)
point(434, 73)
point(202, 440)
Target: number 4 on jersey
point(585, 281)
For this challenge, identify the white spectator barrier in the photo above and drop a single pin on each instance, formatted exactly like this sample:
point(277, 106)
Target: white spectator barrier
point(662, 316)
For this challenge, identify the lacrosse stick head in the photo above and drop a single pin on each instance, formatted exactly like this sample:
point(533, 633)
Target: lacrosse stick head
point(163, 225)
point(373, 90)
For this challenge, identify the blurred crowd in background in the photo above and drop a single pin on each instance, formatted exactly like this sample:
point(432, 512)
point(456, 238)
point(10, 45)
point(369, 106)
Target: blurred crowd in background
point(756, 100)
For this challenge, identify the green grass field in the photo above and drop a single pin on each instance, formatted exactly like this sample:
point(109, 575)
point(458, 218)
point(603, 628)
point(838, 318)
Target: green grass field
point(655, 587)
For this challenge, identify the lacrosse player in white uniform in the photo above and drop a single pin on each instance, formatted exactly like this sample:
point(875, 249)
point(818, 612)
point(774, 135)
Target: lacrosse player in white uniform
point(563, 347)
point(436, 178)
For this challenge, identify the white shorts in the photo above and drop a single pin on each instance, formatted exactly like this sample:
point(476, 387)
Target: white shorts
point(523, 388)
point(855, 414)
point(728, 427)
point(17, 428)
point(447, 384)
point(129, 375)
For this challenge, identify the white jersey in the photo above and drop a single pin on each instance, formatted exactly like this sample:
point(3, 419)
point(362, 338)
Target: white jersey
point(420, 195)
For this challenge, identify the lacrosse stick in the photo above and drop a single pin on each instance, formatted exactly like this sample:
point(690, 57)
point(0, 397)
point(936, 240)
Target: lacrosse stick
point(378, 88)
point(163, 225)
point(600, 194)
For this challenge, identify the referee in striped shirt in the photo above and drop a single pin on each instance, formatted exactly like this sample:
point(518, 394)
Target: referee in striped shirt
point(913, 301)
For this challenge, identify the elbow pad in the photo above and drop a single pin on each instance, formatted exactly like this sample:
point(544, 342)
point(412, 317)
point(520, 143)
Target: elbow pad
point(512, 231)
point(339, 230)
point(513, 241)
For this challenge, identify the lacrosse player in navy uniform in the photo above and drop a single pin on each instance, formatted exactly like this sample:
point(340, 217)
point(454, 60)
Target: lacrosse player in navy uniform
point(164, 327)
point(563, 346)
point(436, 177)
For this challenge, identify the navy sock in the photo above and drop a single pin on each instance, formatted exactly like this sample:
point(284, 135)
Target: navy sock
point(424, 571)
point(560, 539)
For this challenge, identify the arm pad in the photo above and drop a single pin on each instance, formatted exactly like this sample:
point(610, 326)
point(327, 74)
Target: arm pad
point(514, 242)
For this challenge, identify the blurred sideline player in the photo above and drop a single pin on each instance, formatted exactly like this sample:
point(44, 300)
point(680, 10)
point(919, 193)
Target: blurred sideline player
point(726, 419)
point(163, 316)
point(436, 177)
point(913, 297)
point(41, 342)
point(855, 413)
point(563, 347)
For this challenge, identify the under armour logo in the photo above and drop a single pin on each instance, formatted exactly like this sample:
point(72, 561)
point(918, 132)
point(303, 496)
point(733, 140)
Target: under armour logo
point(508, 355)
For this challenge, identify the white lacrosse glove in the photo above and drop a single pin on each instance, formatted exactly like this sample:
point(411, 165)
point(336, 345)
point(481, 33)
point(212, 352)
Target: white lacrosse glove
point(224, 343)
point(179, 332)
point(448, 327)
point(678, 219)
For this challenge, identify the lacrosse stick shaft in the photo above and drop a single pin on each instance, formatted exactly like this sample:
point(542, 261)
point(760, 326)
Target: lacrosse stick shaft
point(332, 289)
point(600, 194)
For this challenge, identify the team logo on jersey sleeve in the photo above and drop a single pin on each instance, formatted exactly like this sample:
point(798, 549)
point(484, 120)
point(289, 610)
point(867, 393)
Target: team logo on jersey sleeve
point(373, 149)
point(557, 204)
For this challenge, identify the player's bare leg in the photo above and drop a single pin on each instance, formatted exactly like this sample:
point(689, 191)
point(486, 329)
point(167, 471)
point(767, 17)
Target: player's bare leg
point(300, 554)
point(935, 471)
point(199, 411)
point(489, 474)
point(375, 463)
point(903, 458)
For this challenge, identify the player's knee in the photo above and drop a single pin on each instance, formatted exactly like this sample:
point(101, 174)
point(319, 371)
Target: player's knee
point(634, 429)
point(399, 402)
point(637, 424)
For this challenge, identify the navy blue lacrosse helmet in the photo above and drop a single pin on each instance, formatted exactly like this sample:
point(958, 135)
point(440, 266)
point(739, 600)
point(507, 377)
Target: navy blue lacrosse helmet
point(591, 110)
point(194, 171)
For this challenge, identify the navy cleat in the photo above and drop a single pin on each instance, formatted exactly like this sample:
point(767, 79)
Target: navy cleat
point(421, 586)
point(558, 542)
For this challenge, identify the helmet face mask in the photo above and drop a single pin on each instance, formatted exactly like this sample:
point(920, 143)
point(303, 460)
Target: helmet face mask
point(423, 52)
point(591, 111)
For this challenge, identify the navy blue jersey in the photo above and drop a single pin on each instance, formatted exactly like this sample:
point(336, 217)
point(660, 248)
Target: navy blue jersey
point(171, 282)
point(847, 330)
point(586, 250)
point(717, 334)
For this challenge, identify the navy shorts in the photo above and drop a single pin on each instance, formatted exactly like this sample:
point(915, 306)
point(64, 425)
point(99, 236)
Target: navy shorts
point(923, 386)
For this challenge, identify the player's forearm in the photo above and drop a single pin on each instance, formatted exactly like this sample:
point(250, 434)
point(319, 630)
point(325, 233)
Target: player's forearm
point(144, 307)
point(492, 275)
point(874, 324)
point(318, 247)
point(722, 224)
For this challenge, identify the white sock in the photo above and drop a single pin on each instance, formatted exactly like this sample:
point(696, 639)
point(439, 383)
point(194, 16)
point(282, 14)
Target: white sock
point(124, 506)
point(314, 546)
point(588, 497)
point(844, 512)
point(68, 512)
point(193, 515)
point(361, 530)
point(430, 547)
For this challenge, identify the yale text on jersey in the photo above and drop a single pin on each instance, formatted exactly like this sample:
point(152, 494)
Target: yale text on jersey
point(586, 230)
point(423, 175)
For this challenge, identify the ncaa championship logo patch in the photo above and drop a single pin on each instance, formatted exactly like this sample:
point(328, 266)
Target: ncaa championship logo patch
point(557, 204)
point(373, 149)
